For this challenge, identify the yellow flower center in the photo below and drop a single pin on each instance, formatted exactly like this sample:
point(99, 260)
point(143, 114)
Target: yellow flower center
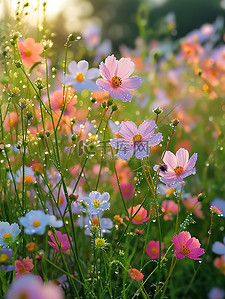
point(99, 242)
point(154, 250)
point(36, 223)
point(6, 236)
point(28, 53)
point(95, 222)
point(3, 258)
point(23, 295)
point(96, 203)
point(60, 201)
point(79, 77)
point(116, 81)
point(137, 138)
point(170, 191)
point(138, 218)
point(184, 250)
point(178, 170)
point(28, 179)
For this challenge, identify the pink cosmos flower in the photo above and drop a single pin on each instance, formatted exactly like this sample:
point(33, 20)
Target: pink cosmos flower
point(10, 120)
point(31, 287)
point(140, 217)
point(127, 190)
point(23, 266)
point(57, 102)
point(62, 241)
point(135, 274)
point(169, 208)
point(193, 205)
point(186, 246)
point(152, 249)
point(136, 140)
point(30, 51)
point(116, 78)
point(177, 167)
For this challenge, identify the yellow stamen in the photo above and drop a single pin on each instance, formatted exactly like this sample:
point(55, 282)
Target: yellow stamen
point(96, 203)
point(28, 179)
point(116, 81)
point(3, 258)
point(6, 236)
point(170, 191)
point(184, 250)
point(23, 295)
point(36, 223)
point(95, 222)
point(137, 138)
point(60, 201)
point(178, 170)
point(138, 218)
point(28, 53)
point(80, 77)
point(154, 250)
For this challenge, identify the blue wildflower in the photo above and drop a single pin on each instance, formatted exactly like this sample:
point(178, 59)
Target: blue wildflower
point(8, 233)
point(80, 77)
point(35, 222)
point(96, 202)
point(219, 248)
point(5, 258)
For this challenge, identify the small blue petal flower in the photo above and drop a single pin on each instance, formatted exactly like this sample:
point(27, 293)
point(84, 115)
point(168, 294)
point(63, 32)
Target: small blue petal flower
point(5, 259)
point(35, 222)
point(96, 202)
point(80, 77)
point(219, 248)
point(8, 233)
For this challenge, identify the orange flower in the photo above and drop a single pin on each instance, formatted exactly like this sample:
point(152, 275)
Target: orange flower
point(30, 51)
point(135, 274)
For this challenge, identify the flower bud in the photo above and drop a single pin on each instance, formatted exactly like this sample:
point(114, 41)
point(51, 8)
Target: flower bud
point(201, 196)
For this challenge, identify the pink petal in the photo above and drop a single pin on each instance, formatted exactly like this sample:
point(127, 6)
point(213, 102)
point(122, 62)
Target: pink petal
point(104, 84)
point(182, 156)
point(146, 129)
point(170, 160)
point(125, 68)
point(193, 243)
point(22, 47)
point(191, 162)
point(104, 71)
point(155, 139)
point(112, 65)
point(29, 42)
point(128, 129)
point(179, 255)
point(186, 173)
point(131, 83)
point(120, 93)
point(37, 48)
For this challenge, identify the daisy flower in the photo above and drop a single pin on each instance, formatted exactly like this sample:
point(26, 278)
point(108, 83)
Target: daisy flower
point(35, 222)
point(136, 140)
point(116, 78)
point(81, 77)
point(8, 233)
point(96, 202)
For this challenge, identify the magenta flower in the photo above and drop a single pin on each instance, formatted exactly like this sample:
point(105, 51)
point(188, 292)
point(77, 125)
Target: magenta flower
point(136, 140)
point(177, 167)
point(116, 79)
point(62, 242)
point(186, 246)
point(141, 215)
point(152, 249)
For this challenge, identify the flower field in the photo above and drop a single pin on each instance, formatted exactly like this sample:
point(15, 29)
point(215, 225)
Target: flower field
point(112, 163)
